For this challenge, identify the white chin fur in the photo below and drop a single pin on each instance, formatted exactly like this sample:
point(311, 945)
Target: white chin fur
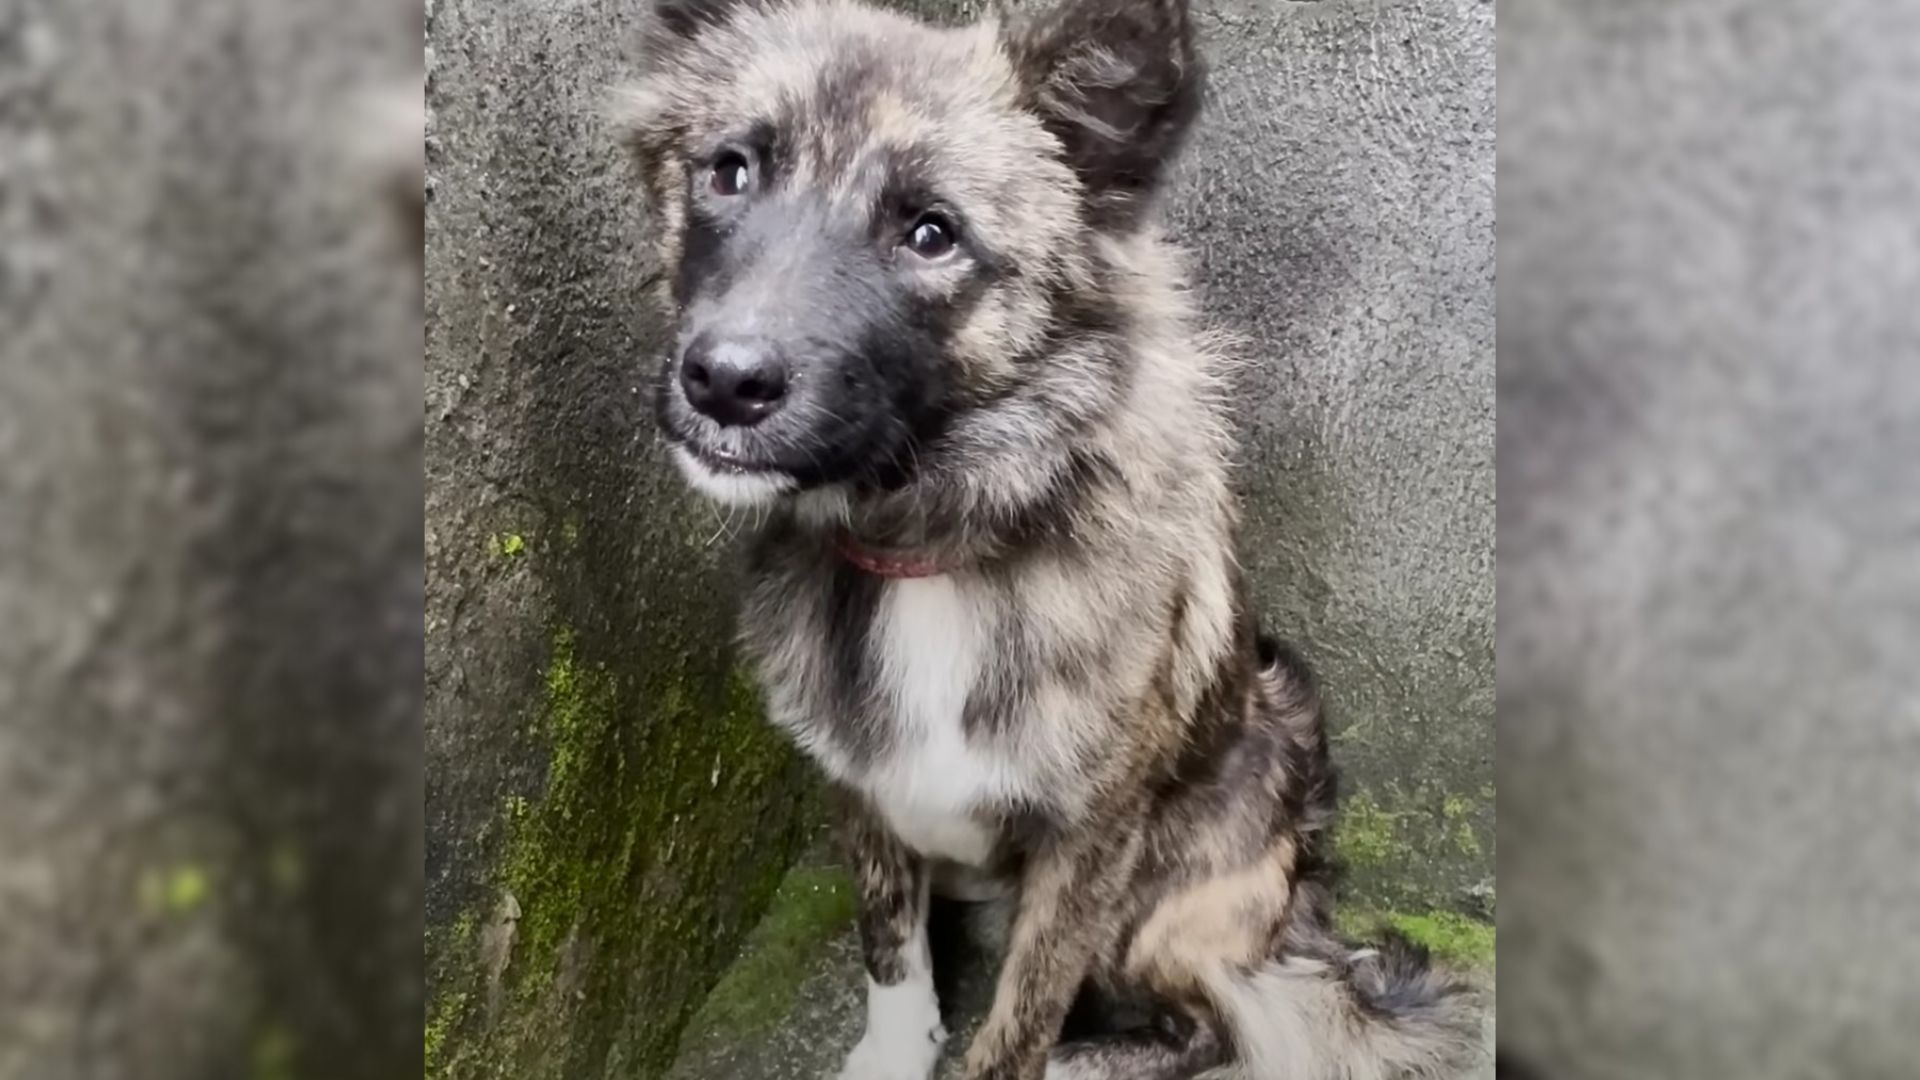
point(733, 489)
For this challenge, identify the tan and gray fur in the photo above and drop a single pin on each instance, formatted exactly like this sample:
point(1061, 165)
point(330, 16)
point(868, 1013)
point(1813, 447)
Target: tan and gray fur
point(1068, 707)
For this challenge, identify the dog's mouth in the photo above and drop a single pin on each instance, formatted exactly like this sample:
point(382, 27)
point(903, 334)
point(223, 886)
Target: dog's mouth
point(730, 478)
point(724, 462)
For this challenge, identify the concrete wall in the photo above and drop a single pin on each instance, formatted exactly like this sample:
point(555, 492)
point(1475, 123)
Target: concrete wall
point(1339, 204)
point(589, 753)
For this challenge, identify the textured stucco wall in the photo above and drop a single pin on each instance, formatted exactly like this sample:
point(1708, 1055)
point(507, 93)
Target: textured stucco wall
point(1338, 199)
point(209, 547)
point(1710, 419)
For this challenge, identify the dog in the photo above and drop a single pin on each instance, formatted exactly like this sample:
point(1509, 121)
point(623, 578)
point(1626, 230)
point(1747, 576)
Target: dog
point(926, 323)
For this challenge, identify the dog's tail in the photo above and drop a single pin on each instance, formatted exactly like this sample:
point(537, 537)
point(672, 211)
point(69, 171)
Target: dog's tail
point(1378, 1013)
point(1326, 1009)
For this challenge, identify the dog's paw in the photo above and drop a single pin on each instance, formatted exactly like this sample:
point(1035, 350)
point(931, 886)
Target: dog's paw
point(895, 1053)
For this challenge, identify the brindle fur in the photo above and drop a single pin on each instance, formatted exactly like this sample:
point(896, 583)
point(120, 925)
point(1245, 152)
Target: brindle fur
point(1130, 760)
point(894, 886)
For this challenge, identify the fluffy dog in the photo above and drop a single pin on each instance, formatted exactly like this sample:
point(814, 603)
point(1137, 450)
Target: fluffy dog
point(926, 320)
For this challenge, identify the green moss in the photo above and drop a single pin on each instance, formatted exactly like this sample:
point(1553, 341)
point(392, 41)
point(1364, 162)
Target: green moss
point(1389, 848)
point(814, 905)
point(1405, 850)
point(187, 889)
point(655, 839)
point(175, 890)
point(550, 884)
point(273, 1054)
point(1457, 815)
point(1368, 835)
point(1452, 938)
point(446, 1017)
point(506, 545)
point(286, 869)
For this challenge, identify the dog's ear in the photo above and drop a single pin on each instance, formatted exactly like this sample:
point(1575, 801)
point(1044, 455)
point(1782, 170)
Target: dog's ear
point(672, 23)
point(644, 111)
point(1118, 82)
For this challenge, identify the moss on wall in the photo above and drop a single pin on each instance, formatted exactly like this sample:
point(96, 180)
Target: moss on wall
point(623, 887)
point(814, 905)
point(1392, 843)
point(1454, 939)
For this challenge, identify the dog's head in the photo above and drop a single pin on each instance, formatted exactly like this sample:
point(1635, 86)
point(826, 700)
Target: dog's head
point(882, 238)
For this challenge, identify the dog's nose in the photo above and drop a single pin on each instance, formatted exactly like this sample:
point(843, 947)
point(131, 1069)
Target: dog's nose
point(737, 381)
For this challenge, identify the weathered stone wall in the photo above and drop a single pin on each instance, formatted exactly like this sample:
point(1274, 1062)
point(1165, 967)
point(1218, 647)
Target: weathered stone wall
point(591, 753)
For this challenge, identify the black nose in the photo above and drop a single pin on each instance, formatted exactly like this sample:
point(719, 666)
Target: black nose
point(737, 381)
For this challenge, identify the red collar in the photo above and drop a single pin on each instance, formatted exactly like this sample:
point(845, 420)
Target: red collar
point(888, 564)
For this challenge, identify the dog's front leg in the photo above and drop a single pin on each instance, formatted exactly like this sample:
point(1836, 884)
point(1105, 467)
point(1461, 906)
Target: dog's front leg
point(903, 1036)
point(1067, 899)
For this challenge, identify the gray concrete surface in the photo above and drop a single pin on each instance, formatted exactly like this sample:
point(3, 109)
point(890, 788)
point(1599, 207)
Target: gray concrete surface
point(1339, 203)
point(1710, 513)
point(209, 547)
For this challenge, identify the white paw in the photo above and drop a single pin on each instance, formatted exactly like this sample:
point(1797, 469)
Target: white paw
point(895, 1054)
point(904, 1035)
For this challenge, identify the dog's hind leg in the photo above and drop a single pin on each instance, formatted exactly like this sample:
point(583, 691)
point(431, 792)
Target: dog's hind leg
point(1182, 951)
point(1069, 889)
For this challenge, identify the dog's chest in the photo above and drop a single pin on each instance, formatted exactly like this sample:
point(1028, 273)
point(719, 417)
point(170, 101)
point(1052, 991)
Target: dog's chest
point(932, 641)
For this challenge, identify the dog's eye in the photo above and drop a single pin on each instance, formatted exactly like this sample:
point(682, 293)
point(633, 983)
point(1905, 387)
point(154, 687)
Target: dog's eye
point(931, 237)
point(731, 175)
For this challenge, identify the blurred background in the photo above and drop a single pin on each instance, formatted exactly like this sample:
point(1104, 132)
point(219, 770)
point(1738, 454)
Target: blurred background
point(1709, 617)
point(210, 765)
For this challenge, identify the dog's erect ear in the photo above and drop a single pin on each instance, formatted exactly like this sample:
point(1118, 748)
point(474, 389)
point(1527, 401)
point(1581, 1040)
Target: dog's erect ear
point(674, 22)
point(643, 111)
point(1118, 82)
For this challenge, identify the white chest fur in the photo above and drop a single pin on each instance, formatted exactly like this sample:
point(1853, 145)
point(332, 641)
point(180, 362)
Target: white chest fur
point(931, 640)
